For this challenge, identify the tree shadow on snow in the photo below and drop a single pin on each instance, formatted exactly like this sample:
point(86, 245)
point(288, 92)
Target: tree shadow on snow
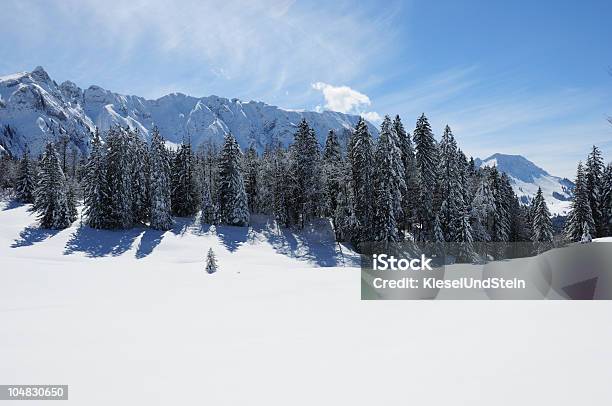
point(148, 241)
point(32, 235)
point(315, 243)
point(12, 204)
point(232, 237)
point(182, 225)
point(101, 243)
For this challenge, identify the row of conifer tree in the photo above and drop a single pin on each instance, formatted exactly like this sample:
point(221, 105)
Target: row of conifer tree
point(401, 186)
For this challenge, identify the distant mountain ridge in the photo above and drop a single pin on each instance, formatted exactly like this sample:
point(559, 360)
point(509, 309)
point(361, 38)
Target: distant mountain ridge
point(526, 177)
point(34, 109)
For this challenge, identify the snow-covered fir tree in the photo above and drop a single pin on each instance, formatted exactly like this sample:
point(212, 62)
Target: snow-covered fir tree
point(438, 233)
point(465, 240)
point(71, 200)
point(387, 196)
point(185, 189)
point(275, 191)
point(542, 231)
point(140, 177)
point(50, 203)
point(450, 188)
point(398, 179)
point(410, 176)
point(251, 176)
point(332, 167)
point(304, 175)
point(482, 210)
point(233, 204)
point(360, 157)
point(345, 222)
point(119, 177)
point(96, 198)
point(26, 180)
point(209, 210)
point(211, 261)
point(160, 211)
point(499, 226)
point(427, 164)
point(580, 209)
point(593, 172)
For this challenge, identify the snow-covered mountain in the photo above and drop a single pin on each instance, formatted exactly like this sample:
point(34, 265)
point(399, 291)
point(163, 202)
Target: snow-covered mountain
point(526, 177)
point(34, 109)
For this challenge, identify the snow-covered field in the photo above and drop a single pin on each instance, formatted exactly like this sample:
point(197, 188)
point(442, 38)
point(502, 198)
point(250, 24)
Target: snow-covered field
point(131, 318)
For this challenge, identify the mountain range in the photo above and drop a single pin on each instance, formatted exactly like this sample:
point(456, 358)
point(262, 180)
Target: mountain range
point(526, 177)
point(35, 109)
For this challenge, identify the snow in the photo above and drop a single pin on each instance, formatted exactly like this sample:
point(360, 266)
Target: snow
point(526, 178)
point(177, 116)
point(131, 317)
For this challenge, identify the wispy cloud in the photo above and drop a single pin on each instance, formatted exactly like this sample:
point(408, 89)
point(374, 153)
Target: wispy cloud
point(263, 47)
point(489, 114)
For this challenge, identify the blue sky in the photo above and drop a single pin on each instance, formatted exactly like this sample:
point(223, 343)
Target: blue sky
point(524, 77)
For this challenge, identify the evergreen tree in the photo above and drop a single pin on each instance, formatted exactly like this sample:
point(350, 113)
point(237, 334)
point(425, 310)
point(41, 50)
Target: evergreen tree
point(251, 169)
point(499, 224)
point(482, 210)
point(450, 188)
point(542, 231)
point(209, 208)
point(233, 202)
point(426, 162)
point(438, 234)
point(332, 173)
point(71, 201)
point(140, 176)
point(304, 175)
point(119, 178)
point(50, 203)
point(159, 183)
point(211, 261)
point(96, 196)
point(465, 246)
point(580, 209)
point(410, 176)
point(593, 175)
point(185, 191)
point(345, 221)
point(387, 195)
point(361, 157)
point(26, 180)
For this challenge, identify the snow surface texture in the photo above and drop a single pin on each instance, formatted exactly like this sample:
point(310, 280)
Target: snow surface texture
point(34, 109)
point(132, 318)
point(526, 178)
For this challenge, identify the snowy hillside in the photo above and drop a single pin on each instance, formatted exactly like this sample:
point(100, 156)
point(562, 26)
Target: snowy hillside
point(128, 318)
point(34, 108)
point(526, 177)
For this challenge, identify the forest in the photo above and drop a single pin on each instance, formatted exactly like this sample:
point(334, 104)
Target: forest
point(398, 187)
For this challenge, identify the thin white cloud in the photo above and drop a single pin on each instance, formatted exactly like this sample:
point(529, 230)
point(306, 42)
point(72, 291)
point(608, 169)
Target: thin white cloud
point(345, 100)
point(261, 47)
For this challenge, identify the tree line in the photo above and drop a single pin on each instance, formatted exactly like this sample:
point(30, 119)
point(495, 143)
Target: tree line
point(397, 187)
